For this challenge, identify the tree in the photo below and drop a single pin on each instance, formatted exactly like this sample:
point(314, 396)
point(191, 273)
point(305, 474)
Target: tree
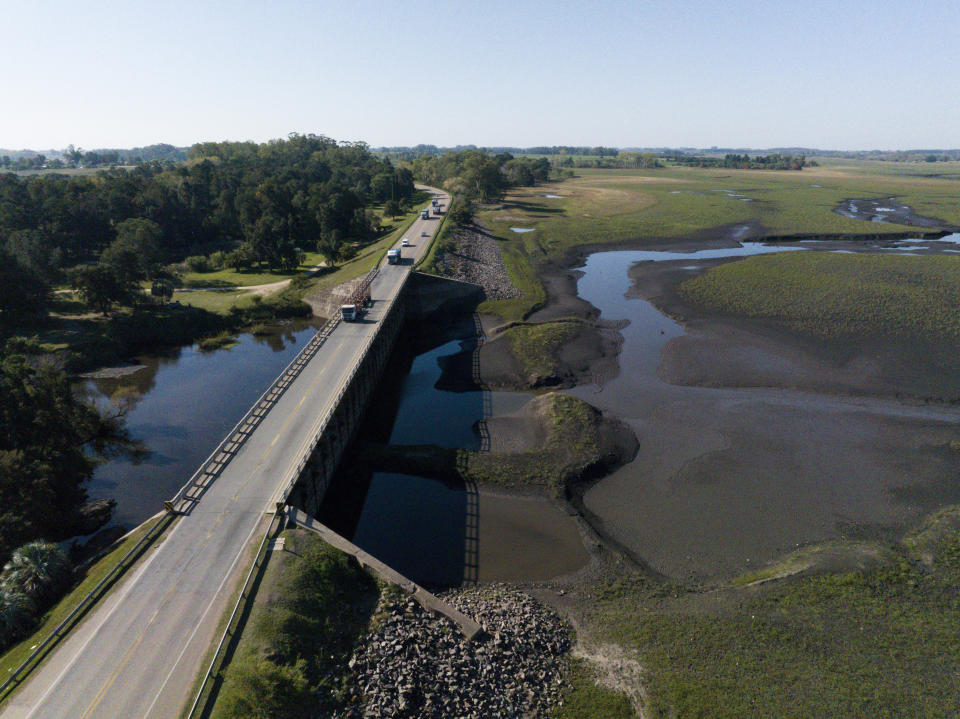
point(331, 246)
point(23, 292)
point(73, 154)
point(102, 286)
point(392, 208)
point(50, 442)
point(38, 569)
point(136, 252)
point(461, 211)
point(162, 288)
point(17, 616)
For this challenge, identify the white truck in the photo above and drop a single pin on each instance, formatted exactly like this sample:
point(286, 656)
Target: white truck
point(393, 256)
point(425, 214)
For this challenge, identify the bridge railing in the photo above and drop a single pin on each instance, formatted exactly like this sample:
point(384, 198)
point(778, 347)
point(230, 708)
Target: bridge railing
point(213, 465)
point(306, 449)
point(91, 598)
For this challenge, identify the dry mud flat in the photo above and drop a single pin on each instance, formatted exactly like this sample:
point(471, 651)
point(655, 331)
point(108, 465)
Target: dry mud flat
point(766, 446)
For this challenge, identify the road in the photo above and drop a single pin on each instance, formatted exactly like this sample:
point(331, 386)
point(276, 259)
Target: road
point(138, 653)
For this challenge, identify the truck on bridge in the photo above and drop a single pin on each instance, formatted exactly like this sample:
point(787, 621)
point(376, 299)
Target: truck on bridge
point(358, 301)
point(393, 256)
point(425, 214)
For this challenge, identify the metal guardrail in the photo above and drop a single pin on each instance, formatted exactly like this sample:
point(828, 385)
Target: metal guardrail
point(210, 673)
point(213, 465)
point(92, 596)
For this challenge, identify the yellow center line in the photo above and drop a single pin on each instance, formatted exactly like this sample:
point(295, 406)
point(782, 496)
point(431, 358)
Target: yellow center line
point(123, 662)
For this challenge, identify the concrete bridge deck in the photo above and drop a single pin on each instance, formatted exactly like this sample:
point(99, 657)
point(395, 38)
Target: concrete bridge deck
point(139, 651)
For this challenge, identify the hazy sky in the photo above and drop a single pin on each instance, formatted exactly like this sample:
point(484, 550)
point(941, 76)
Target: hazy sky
point(847, 75)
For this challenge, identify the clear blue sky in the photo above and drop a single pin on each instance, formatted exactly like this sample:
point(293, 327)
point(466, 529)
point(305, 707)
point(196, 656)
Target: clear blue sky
point(757, 73)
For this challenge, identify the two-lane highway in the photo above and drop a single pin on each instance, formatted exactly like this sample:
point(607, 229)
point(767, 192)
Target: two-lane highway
point(139, 651)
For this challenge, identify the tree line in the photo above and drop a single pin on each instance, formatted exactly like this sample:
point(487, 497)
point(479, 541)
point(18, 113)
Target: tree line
point(477, 176)
point(736, 161)
point(266, 202)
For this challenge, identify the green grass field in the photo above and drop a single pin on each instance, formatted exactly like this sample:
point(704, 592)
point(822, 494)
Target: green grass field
point(830, 295)
point(883, 642)
point(610, 207)
point(316, 604)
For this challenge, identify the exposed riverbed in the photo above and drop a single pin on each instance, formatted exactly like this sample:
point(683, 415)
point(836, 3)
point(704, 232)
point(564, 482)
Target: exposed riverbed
point(729, 477)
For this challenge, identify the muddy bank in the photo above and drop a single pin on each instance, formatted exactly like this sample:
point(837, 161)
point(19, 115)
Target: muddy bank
point(724, 351)
point(728, 477)
point(753, 441)
point(549, 354)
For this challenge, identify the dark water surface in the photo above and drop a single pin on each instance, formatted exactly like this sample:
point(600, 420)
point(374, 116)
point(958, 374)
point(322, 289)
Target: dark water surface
point(180, 406)
point(444, 532)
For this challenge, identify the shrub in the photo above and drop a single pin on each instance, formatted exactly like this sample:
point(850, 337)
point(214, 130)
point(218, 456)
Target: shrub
point(198, 263)
point(219, 260)
point(257, 688)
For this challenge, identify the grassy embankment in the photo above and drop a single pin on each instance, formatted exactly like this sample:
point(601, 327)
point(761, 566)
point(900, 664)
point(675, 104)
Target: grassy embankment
point(610, 207)
point(314, 605)
point(91, 576)
point(880, 642)
point(576, 440)
point(536, 345)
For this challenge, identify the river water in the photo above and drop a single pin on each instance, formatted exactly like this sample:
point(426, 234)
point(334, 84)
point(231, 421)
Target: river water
point(180, 405)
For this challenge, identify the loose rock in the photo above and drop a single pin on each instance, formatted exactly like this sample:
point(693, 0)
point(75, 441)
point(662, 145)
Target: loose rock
point(418, 665)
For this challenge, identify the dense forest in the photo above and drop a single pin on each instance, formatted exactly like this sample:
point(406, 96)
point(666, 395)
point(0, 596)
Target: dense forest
point(264, 203)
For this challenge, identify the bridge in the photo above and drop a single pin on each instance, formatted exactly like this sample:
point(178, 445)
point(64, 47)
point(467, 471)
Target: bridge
point(141, 648)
